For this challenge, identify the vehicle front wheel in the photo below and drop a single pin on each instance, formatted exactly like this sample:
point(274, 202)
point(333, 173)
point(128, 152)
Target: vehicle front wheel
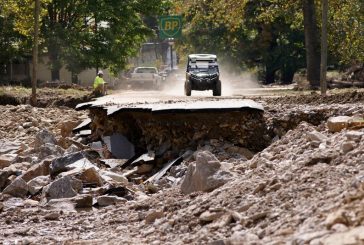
point(188, 88)
point(217, 90)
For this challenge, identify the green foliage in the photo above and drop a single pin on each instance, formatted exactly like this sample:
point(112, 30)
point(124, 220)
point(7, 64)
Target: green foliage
point(269, 34)
point(86, 34)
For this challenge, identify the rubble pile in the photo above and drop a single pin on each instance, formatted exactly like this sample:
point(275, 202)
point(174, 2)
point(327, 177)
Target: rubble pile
point(21, 123)
point(305, 188)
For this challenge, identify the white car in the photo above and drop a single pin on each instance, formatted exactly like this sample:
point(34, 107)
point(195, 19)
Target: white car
point(145, 77)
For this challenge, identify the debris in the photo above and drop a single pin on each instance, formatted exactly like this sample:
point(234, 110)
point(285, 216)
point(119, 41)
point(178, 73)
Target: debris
point(111, 176)
point(119, 146)
point(43, 137)
point(114, 163)
point(204, 174)
point(7, 159)
point(39, 169)
point(60, 164)
point(82, 126)
point(37, 184)
point(17, 188)
point(336, 124)
point(338, 217)
point(163, 171)
point(52, 216)
point(90, 176)
point(62, 188)
point(153, 215)
point(103, 201)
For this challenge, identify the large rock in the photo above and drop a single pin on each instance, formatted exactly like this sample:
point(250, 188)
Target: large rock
point(338, 217)
point(205, 174)
point(352, 236)
point(103, 201)
point(336, 124)
point(48, 150)
point(4, 178)
point(66, 128)
point(40, 169)
point(7, 147)
point(17, 188)
point(37, 184)
point(316, 136)
point(91, 176)
point(7, 159)
point(44, 137)
point(70, 204)
point(62, 188)
point(60, 164)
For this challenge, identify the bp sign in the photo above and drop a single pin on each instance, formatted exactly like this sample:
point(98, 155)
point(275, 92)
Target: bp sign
point(170, 27)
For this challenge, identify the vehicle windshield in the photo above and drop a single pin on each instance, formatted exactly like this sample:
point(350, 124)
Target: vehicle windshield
point(145, 70)
point(203, 67)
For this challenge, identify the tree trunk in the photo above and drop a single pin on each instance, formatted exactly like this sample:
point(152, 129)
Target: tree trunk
point(270, 76)
point(323, 82)
point(33, 99)
point(312, 43)
point(54, 60)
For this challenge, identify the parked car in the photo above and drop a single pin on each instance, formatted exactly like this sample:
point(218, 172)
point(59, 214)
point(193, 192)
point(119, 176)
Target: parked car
point(202, 73)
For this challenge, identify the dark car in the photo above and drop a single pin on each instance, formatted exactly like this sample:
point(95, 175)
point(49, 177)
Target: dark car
point(202, 74)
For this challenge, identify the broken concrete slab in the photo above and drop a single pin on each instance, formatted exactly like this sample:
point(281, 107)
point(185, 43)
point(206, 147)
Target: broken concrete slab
point(85, 125)
point(163, 171)
point(119, 146)
point(145, 158)
point(114, 163)
point(60, 164)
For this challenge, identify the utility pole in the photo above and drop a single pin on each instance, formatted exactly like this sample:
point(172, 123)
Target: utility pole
point(33, 99)
point(323, 82)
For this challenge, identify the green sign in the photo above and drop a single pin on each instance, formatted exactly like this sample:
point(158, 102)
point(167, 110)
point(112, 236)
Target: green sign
point(170, 27)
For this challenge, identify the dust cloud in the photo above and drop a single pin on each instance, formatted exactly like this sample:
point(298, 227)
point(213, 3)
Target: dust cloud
point(232, 83)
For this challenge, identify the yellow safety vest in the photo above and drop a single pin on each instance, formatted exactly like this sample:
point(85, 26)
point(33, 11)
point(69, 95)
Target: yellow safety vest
point(98, 81)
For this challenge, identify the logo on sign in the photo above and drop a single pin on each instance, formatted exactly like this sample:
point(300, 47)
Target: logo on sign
point(170, 26)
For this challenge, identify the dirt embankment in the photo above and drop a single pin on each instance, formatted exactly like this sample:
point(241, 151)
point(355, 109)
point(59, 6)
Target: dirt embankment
point(316, 99)
point(46, 97)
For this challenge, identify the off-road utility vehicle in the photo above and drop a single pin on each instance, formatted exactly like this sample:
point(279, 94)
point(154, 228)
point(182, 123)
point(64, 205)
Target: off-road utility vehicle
point(202, 74)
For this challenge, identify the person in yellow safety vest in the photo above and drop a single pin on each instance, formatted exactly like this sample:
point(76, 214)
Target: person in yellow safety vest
point(99, 84)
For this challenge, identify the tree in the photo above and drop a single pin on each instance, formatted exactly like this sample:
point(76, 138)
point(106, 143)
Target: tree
point(35, 52)
point(312, 43)
point(325, 10)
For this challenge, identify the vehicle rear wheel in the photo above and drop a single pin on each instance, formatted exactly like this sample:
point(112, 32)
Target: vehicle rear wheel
point(188, 88)
point(217, 90)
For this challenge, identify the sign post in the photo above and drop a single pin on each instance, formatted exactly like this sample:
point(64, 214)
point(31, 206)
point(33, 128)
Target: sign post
point(170, 27)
